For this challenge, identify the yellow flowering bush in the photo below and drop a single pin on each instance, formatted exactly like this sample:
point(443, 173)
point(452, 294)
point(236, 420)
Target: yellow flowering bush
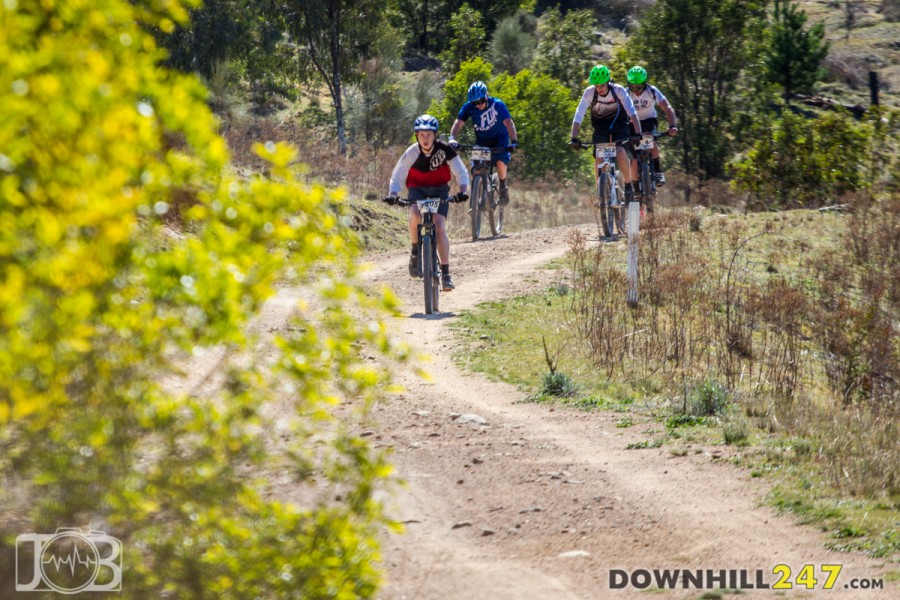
point(104, 294)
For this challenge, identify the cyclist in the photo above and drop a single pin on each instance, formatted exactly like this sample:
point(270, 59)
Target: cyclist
point(425, 169)
point(645, 98)
point(494, 128)
point(611, 109)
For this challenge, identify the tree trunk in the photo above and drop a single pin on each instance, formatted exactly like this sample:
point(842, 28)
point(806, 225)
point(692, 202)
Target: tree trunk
point(336, 87)
point(423, 38)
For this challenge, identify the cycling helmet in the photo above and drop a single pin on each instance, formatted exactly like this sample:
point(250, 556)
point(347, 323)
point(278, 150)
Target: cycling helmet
point(599, 75)
point(477, 91)
point(426, 123)
point(637, 75)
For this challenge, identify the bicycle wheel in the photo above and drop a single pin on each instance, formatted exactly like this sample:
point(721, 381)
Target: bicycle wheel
point(436, 278)
point(476, 202)
point(619, 209)
point(428, 273)
point(494, 208)
point(603, 195)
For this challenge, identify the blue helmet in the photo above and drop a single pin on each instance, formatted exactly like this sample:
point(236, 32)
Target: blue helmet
point(477, 91)
point(426, 123)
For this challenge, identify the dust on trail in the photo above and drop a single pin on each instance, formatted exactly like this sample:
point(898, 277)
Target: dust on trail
point(489, 508)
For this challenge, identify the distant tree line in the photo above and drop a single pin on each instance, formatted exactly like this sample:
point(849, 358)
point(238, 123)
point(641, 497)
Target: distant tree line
point(722, 63)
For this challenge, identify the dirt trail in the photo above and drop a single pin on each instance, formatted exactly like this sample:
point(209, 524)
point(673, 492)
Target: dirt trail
point(489, 508)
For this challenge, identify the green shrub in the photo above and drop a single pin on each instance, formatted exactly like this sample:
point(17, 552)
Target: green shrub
point(558, 384)
point(797, 162)
point(709, 398)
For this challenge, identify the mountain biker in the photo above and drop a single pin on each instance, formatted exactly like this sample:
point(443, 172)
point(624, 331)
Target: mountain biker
point(645, 98)
point(494, 128)
point(425, 169)
point(611, 109)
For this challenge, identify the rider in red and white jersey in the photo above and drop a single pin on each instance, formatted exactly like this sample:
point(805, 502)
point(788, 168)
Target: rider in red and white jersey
point(425, 170)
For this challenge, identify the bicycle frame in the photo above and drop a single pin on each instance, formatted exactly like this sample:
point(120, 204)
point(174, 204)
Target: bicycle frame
point(610, 209)
point(427, 242)
point(643, 146)
point(485, 184)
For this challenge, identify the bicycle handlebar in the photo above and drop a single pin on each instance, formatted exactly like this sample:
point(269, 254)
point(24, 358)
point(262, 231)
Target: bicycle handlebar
point(468, 148)
point(579, 145)
point(408, 202)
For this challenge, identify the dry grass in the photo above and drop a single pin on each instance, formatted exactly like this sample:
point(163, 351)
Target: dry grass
point(794, 312)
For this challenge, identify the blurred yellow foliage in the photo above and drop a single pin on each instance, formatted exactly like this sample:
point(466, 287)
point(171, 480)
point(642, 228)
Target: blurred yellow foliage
point(126, 248)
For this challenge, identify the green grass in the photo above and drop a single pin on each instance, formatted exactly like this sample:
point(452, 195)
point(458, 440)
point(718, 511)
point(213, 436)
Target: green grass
point(850, 525)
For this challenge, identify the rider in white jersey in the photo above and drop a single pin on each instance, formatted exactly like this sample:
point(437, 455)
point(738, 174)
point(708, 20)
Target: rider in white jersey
point(645, 98)
point(611, 110)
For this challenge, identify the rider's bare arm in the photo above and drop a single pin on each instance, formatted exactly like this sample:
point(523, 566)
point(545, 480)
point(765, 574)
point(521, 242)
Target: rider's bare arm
point(511, 129)
point(670, 114)
point(457, 125)
point(458, 168)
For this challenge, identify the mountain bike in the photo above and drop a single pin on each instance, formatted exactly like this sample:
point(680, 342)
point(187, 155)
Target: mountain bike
point(484, 197)
point(611, 212)
point(430, 265)
point(643, 146)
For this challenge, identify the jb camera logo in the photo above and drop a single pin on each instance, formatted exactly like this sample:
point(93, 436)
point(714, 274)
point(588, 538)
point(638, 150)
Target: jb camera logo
point(68, 561)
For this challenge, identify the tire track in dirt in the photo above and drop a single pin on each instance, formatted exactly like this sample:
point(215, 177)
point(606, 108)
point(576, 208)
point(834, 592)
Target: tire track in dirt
point(489, 508)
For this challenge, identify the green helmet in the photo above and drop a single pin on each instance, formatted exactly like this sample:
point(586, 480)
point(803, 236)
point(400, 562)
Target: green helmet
point(637, 75)
point(599, 75)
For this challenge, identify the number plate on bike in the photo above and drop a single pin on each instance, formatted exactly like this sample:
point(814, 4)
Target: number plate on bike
point(429, 206)
point(481, 153)
point(646, 142)
point(606, 152)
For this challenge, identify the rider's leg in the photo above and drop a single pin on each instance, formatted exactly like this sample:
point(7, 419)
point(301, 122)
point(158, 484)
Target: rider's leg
point(657, 168)
point(415, 267)
point(443, 240)
point(443, 246)
point(624, 166)
point(500, 165)
point(414, 219)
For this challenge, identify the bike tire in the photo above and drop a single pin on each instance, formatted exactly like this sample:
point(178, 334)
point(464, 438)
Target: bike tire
point(476, 202)
point(495, 209)
point(603, 195)
point(428, 274)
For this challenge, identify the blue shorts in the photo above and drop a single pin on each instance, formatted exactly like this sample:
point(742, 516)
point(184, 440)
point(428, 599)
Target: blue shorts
point(436, 191)
point(503, 156)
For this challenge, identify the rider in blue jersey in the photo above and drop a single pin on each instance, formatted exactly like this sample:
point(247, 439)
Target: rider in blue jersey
point(494, 128)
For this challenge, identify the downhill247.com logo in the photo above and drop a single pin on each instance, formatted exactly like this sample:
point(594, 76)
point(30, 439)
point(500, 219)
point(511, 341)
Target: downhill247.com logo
point(68, 562)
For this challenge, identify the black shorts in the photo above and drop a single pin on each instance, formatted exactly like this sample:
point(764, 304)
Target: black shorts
point(436, 191)
point(647, 126)
point(618, 134)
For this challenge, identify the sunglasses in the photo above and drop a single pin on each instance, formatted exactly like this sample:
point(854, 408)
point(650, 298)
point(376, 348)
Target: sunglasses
point(480, 102)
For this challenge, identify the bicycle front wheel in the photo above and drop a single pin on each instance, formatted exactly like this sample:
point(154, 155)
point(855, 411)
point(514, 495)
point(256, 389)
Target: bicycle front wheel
point(476, 202)
point(495, 209)
point(428, 274)
point(604, 197)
